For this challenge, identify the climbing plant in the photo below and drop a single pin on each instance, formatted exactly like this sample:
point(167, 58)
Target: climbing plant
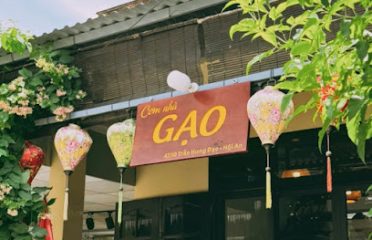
point(329, 45)
point(48, 84)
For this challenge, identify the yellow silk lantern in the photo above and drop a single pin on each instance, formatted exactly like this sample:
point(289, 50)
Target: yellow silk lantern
point(269, 122)
point(120, 138)
point(72, 145)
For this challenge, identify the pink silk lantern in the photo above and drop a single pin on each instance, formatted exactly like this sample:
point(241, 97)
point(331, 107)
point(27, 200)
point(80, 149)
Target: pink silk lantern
point(72, 145)
point(269, 122)
point(32, 159)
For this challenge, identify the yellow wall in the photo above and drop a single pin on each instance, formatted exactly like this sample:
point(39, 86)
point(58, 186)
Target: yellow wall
point(190, 176)
point(172, 178)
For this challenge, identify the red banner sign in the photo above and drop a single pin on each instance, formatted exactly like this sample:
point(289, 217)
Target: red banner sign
point(195, 125)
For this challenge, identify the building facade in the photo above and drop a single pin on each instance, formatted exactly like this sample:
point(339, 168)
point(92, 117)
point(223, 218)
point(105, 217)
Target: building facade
point(125, 55)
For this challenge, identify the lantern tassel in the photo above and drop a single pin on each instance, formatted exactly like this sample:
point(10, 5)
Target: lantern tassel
point(329, 166)
point(268, 190)
point(268, 177)
point(65, 206)
point(329, 175)
point(120, 195)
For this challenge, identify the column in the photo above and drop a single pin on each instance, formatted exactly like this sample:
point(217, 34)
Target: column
point(72, 228)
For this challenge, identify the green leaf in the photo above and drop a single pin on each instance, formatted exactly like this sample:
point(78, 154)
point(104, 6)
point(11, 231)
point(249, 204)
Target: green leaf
point(51, 201)
point(369, 213)
point(362, 49)
point(26, 187)
point(4, 233)
point(25, 195)
point(345, 28)
point(365, 3)
point(246, 25)
point(369, 129)
point(258, 58)
point(322, 132)
point(369, 189)
point(36, 81)
point(352, 126)
point(23, 237)
point(325, 3)
point(361, 149)
point(41, 190)
point(4, 89)
point(19, 228)
point(306, 76)
point(25, 176)
point(292, 86)
point(4, 143)
point(286, 100)
point(350, 3)
point(273, 15)
point(301, 48)
point(15, 178)
point(7, 167)
point(4, 152)
point(354, 106)
point(361, 142)
point(8, 138)
point(229, 4)
point(269, 37)
point(4, 116)
point(54, 99)
point(38, 232)
point(24, 72)
point(66, 59)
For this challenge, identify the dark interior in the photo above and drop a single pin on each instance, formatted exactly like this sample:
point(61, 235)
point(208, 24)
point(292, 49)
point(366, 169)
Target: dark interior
point(234, 207)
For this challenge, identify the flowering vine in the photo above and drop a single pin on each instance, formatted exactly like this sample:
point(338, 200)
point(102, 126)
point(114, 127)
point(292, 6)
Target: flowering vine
point(51, 85)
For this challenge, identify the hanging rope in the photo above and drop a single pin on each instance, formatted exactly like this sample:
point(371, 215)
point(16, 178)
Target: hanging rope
point(329, 168)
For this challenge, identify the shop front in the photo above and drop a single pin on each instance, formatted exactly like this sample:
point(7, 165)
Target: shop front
point(215, 188)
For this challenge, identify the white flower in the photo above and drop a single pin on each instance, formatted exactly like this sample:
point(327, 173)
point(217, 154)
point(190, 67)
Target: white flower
point(60, 93)
point(12, 212)
point(7, 189)
point(80, 95)
point(23, 93)
point(41, 62)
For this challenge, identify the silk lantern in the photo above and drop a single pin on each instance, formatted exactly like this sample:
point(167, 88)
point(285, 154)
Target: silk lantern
point(72, 145)
point(46, 223)
point(120, 138)
point(181, 82)
point(269, 122)
point(32, 159)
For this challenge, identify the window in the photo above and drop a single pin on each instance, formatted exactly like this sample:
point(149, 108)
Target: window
point(246, 218)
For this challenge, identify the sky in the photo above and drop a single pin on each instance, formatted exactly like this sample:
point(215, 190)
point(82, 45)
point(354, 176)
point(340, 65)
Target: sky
point(43, 16)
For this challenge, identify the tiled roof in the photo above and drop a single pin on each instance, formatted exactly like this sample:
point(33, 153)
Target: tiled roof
point(118, 20)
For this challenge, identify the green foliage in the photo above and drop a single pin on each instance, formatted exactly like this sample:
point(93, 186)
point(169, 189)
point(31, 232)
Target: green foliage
point(13, 40)
point(329, 44)
point(50, 85)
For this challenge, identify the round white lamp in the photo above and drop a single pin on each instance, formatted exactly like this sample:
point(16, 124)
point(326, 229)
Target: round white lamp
point(181, 82)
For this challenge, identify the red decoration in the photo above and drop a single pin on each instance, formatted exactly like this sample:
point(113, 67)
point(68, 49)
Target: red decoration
point(46, 223)
point(32, 159)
